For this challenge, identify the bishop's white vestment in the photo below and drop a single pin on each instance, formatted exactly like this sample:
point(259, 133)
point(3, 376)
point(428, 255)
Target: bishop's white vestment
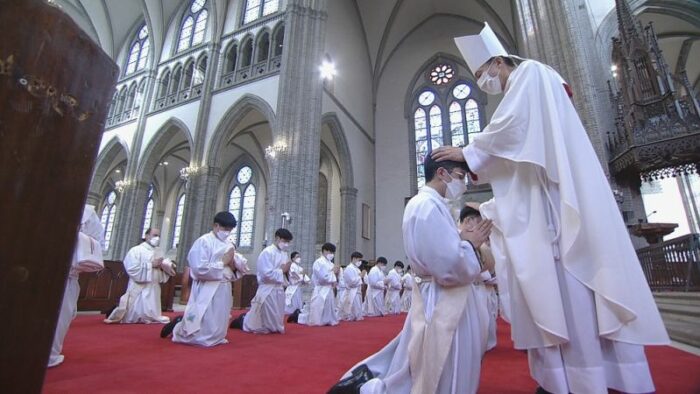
point(350, 307)
point(90, 226)
point(321, 309)
point(578, 300)
point(393, 293)
point(207, 314)
point(439, 349)
point(141, 303)
point(374, 299)
point(266, 313)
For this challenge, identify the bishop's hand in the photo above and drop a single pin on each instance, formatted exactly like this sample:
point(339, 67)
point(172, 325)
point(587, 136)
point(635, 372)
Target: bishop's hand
point(451, 153)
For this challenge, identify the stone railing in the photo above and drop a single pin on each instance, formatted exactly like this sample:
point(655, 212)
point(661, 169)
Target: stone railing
point(673, 265)
point(255, 71)
point(122, 117)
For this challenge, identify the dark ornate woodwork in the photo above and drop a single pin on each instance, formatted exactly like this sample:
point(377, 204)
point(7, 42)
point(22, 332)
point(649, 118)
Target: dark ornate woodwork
point(100, 291)
point(673, 265)
point(244, 290)
point(657, 122)
point(55, 86)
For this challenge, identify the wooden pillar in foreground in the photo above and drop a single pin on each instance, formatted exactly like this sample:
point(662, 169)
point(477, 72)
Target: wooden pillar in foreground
point(55, 87)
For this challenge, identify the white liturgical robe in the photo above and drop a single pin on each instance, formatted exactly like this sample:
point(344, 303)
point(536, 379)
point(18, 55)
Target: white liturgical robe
point(351, 304)
point(141, 302)
point(374, 299)
point(208, 310)
point(578, 299)
point(292, 294)
point(439, 349)
point(407, 284)
point(266, 313)
point(341, 287)
point(393, 293)
point(321, 310)
point(89, 226)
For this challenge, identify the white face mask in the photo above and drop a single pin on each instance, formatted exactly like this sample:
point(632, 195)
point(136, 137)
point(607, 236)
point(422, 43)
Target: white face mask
point(222, 235)
point(330, 256)
point(284, 246)
point(297, 260)
point(490, 84)
point(155, 241)
point(358, 264)
point(399, 271)
point(455, 188)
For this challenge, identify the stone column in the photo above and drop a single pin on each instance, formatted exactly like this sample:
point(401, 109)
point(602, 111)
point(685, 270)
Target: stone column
point(94, 199)
point(199, 210)
point(299, 126)
point(201, 193)
point(348, 222)
point(127, 226)
point(132, 201)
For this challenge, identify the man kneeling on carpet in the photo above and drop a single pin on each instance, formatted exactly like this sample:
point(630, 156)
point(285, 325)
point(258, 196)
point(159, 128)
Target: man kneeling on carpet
point(214, 264)
point(440, 347)
point(266, 313)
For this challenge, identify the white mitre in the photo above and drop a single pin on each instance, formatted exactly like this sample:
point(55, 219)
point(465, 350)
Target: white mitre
point(479, 48)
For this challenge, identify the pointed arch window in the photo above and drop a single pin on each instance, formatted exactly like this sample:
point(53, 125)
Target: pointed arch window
point(138, 52)
point(177, 227)
point(446, 111)
point(109, 213)
point(148, 211)
point(194, 25)
point(255, 9)
point(241, 204)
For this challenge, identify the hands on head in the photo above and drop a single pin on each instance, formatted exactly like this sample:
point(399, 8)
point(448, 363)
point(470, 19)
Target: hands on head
point(451, 153)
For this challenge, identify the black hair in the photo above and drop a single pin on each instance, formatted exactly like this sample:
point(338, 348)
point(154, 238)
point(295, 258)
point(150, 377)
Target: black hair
point(408, 268)
point(356, 255)
point(294, 254)
point(398, 264)
point(328, 247)
point(382, 260)
point(284, 234)
point(225, 219)
point(468, 212)
point(148, 232)
point(430, 166)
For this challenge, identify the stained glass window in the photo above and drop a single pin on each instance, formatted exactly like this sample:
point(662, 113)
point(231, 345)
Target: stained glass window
point(194, 25)
point(138, 54)
point(148, 211)
point(441, 74)
point(109, 213)
point(178, 220)
point(255, 9)
point(241, 204)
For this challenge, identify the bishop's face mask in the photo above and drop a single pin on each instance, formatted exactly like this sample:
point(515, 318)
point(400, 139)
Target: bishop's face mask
point(490, 84)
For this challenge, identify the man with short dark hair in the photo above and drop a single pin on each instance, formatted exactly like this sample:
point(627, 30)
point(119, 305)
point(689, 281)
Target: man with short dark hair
point(213, 266)
point(322, 309)
point(393, 289)
point(440, 347)
point(266, 313)
point(376, 283)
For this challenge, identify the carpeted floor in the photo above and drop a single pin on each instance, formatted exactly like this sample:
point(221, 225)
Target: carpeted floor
point(133, 359)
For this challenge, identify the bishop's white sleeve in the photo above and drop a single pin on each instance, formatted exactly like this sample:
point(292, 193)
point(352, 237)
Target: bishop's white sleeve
point(435, 240)
point(324, 274)
point(91, 226)
point(201, 268)
point(138, 266)
point(268, 272)
point(478, 162)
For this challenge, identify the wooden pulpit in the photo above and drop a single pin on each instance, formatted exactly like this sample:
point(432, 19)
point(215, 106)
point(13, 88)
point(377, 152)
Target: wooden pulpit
point(55, 88)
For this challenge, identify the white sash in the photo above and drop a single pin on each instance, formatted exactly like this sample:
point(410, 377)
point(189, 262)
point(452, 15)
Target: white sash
point(318, 301)
point(125, 301)
point(347, 301)
point(430, 343)
point(194, 312)
point(289, 294)
point(254, 316)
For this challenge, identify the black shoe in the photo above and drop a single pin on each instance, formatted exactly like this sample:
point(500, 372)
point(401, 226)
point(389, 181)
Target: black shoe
point(109, 311)
point(294, 317)
point(352, 384)
point(168, 328)
point(237, 323)
point(540, 390)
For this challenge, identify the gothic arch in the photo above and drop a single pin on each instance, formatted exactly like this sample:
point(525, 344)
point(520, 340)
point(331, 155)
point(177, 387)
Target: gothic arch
point(148, 160)
point(103, 165)
point(330, 119)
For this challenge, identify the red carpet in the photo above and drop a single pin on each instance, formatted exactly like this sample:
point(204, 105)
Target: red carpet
point(133, 359)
